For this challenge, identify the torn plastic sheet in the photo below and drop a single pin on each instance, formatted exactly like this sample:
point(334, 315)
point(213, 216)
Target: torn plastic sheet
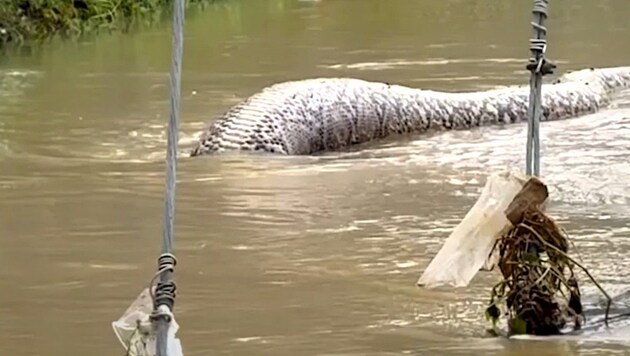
point(468, 249)
point(138, 334)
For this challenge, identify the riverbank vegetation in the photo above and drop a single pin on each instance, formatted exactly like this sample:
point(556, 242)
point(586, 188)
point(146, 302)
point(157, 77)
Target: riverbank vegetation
point(35, 20)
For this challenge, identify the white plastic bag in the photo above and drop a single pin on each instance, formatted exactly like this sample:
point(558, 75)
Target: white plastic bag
point(138, 335)
point(467, 249)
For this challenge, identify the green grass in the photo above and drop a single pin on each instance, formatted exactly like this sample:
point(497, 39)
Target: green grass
point(35, 20)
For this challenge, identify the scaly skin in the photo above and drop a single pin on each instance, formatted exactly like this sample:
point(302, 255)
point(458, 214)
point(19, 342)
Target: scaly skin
point(328, 114)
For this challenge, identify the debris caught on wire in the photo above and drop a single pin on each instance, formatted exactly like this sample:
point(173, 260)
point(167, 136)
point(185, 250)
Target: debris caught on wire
point(539, 290)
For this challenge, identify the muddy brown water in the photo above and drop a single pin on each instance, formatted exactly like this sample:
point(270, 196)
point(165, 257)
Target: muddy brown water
point(291, 256)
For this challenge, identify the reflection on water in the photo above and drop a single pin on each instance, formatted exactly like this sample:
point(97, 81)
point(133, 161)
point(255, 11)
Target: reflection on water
point(291, 255)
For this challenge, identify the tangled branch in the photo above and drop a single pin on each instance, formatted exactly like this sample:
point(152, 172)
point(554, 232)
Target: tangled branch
point(539, 287)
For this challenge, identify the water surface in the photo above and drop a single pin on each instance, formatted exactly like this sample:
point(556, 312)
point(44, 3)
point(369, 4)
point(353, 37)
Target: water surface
point(290, 255)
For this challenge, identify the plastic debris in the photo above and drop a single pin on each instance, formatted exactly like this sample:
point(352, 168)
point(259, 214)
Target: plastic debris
point(468, 249)
point(137, 333)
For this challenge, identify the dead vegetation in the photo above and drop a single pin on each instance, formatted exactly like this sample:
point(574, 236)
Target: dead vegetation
point(539, 288)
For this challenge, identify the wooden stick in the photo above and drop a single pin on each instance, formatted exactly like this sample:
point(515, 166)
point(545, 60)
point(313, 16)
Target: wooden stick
point(532, 195)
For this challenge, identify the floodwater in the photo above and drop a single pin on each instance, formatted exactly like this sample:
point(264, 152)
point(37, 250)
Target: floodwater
point(303, 255)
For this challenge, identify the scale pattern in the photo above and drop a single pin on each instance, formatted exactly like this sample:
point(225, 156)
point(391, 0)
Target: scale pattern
point(326, 114)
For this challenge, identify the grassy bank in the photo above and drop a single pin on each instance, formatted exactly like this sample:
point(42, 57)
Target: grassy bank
point(35, 20)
